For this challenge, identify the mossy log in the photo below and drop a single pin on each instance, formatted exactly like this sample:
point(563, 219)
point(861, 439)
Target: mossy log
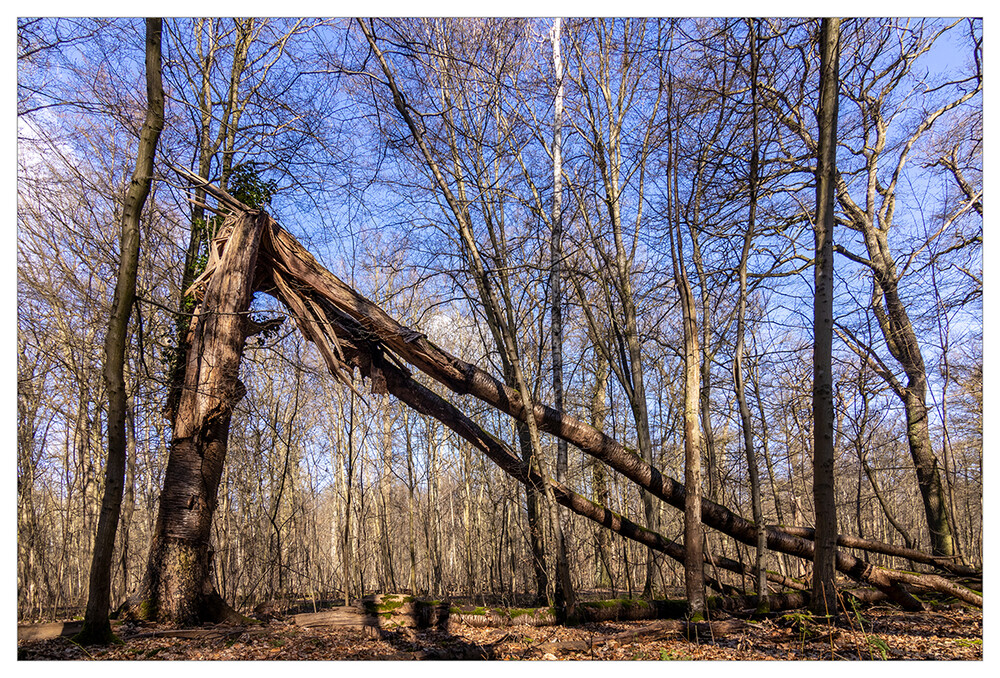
point(503, 616)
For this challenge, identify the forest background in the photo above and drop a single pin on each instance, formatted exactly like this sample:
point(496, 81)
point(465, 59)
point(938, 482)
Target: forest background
point(325, 493)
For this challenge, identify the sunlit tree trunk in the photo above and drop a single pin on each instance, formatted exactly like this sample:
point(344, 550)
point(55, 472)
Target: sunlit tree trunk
point(694, 572)
point(760, 580)
point(598, 412)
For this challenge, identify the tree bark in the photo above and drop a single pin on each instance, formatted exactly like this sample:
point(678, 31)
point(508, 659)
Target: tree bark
point(824, 497)
point(873, 546)
point(694, 576)
point(177, 587)
point(598, 411)
point(96, 627)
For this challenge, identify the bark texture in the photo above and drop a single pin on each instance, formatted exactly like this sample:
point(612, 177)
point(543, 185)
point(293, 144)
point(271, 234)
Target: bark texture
point(177, 585)
point(746, 422)
point(565, 596)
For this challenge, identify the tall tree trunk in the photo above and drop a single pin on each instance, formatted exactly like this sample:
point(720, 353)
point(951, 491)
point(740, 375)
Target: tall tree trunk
point(128, 507)
point(902, 342)
point(433, 514)
point(760, 580)
point(824, 497)
point(385, 495)
point(694, 571)
point(498, 315)
point(177, 586)
point(411, 486)
point(96, 626)
point(874, 219)
point(347, 475)
point(535, 535)
point(565, 597)
point(694, 575)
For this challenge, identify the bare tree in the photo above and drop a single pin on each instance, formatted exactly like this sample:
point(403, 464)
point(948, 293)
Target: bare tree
point(824, 599)
point(746, 422)
point(565, 596)
point(97, 628)
point(609, 106)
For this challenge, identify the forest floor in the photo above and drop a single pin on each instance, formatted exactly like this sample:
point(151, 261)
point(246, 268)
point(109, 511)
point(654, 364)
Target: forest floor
point(879, 633)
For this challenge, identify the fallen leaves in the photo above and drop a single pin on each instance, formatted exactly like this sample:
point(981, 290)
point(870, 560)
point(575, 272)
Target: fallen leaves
point(881, 633)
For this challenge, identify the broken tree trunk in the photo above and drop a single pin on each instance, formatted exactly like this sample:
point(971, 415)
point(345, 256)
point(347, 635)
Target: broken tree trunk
point(177, 586)
point(330, 313)
point(387, 337)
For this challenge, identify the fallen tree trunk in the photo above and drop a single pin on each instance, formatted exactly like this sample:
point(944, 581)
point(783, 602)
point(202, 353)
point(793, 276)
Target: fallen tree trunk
point(321, 302)
point(794, 600)
point(215, 633)
point(425, 401)
point(339, 617)
point(872, 546)
point(933, 582)
point(47, 631)
point(383, 336)
point(501, 617)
